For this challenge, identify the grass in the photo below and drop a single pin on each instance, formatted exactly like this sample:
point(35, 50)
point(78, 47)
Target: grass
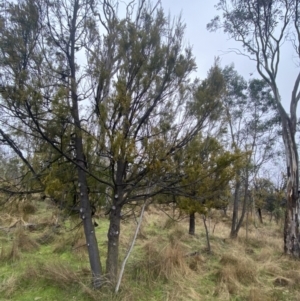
point(51, 263)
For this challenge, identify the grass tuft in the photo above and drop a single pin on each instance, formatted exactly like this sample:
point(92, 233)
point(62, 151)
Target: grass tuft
point(236, 271)
point(22, 242)
point(163, 263)
point(9, 285)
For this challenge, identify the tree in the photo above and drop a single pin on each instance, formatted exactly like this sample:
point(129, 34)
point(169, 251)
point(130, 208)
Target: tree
point(16, 29)
point(251, 124)
point(145, 105)
point(262, 27)
point(130, 102)
point(41, 90)
point(207, 168)
point(267, 196)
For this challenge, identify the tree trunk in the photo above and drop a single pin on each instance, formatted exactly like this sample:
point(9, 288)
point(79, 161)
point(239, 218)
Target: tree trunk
point(260, 215)
point(114, 224)
point(85, 208)
point(89, 231)
point(113, 243)
point(236, 225)
point(291, 224)
point(192, 224)
point(247, 225)
point(235, 209)
point(206, 233)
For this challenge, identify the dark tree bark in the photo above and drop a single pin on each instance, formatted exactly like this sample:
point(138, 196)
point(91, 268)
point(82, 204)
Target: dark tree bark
point(192, 223)
point(113, 234)
point(112, 260)
point(85, 207)
point(260, 215)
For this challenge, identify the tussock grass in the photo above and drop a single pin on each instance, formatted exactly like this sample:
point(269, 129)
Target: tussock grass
point(57, 273)
point(166, 263)
point(6, 219)
point(47, 236)
point(69, 240)
point(259, 294)
point(9, 285)
point(28, 208)
point(178, 233)
point(237, 269)
point(54, 273)
point(169, 223)
point(22, 242)
point(161, 262)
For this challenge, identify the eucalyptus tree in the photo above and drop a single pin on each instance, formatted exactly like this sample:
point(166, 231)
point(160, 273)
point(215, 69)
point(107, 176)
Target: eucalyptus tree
point(251, 122)
point(262, 27)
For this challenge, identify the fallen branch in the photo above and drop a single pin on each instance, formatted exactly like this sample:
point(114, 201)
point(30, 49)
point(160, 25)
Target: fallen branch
point(192, 254)
point(130, 248)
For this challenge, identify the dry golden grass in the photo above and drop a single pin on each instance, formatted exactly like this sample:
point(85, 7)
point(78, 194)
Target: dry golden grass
point(22, 242)
point(9, 285)
point(259, 294)
point(164, 262)
point(237, 268)
point(169, 223)
point(55, 272)
point(178, 233)
point(6, 219)
point(62, 275)
point(68, 241)
point(167, 263)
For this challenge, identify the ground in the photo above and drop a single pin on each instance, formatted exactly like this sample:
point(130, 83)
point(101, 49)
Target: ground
point(43, 257)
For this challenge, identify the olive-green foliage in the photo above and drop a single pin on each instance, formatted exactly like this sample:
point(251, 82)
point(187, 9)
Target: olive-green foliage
point(208, 168)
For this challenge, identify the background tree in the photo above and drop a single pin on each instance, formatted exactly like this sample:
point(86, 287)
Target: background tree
point(262, 27)
point(251, 130)
point(207, 169)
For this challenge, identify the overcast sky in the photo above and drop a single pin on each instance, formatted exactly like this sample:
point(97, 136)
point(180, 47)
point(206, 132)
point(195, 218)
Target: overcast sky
point(196, 14)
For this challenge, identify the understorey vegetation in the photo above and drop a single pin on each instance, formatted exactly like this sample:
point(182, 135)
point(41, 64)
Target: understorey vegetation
point(123, 175)
point(44, 256)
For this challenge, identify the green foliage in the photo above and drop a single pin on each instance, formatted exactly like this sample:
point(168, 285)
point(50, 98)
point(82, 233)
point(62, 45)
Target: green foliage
point(269, 197)
point(208, 169)
point(208, 95)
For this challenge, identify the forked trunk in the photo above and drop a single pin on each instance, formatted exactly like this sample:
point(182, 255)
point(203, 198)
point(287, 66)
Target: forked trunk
point(237, 223)
point(192, 224)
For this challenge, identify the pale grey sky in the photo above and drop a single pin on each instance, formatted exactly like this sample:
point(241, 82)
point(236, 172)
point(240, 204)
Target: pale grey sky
point(196, 14)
